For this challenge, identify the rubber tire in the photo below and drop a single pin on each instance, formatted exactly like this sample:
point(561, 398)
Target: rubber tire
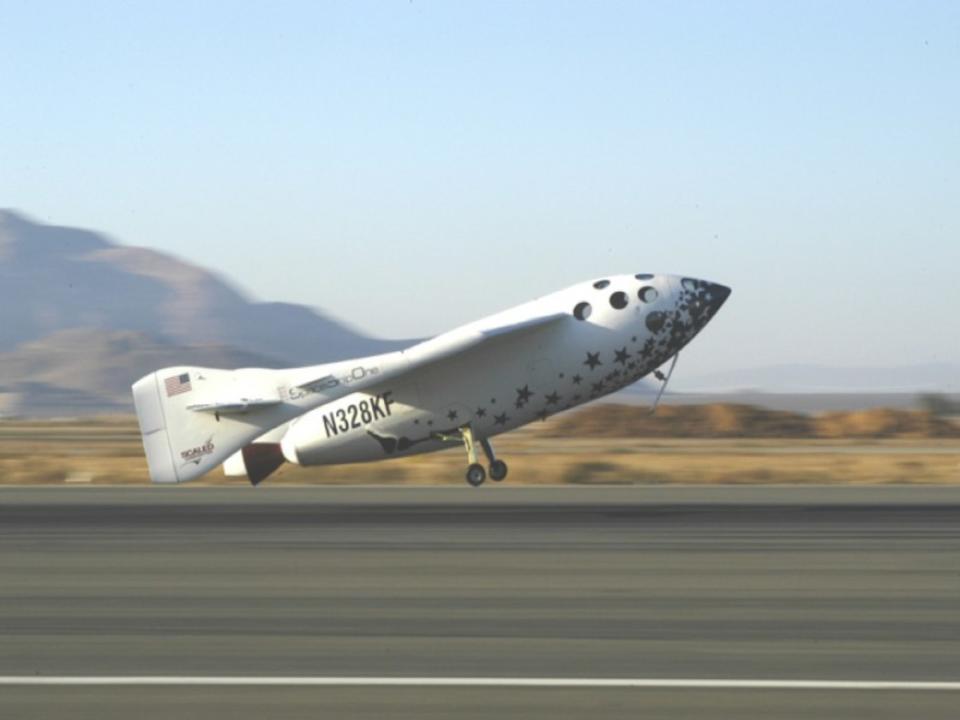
point(498, 470)
point(476, 475)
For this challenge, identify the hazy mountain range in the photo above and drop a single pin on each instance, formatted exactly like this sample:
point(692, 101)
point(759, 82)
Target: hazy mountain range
point(82, 317)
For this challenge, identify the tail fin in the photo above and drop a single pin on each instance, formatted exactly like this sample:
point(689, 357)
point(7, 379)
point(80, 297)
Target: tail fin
point(188, 417)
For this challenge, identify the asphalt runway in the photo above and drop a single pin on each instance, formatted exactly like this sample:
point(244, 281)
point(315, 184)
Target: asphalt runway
point(662, 582)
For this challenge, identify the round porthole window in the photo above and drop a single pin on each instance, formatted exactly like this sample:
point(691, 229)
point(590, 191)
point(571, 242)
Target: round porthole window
point(619, 300)
point(656, 321)
point(648, 294)
point(601, 284)
point(582, 311)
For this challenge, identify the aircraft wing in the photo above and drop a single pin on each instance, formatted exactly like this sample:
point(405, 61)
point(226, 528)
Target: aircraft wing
point(426, 353)
point(244, 391)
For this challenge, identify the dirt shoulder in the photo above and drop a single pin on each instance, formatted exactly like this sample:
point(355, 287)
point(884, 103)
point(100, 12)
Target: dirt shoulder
point(593, 446)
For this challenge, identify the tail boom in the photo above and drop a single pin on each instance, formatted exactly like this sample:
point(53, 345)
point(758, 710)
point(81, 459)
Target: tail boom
point(183, 440)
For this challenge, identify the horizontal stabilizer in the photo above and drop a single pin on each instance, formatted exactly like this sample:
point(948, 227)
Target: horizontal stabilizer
point(234, 406)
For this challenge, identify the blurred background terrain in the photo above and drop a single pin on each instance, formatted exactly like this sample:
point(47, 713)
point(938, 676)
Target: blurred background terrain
point(83, 317)
point(604, 443)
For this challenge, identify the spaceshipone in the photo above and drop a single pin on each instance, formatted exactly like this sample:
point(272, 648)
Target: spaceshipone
point(463, 387)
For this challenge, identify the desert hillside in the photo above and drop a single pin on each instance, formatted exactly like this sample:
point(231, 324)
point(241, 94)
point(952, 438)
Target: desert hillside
point(56, 278)
point(82, 317)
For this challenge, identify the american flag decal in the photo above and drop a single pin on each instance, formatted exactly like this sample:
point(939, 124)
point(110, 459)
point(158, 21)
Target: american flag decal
point(177, 384)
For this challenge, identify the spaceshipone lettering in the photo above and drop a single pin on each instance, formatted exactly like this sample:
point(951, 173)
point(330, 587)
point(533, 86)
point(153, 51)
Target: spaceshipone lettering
point(358, 414)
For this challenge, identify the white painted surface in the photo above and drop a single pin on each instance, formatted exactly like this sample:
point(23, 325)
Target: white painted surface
point(650, 683)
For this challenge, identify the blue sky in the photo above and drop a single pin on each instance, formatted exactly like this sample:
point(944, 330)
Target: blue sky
point(410, 166)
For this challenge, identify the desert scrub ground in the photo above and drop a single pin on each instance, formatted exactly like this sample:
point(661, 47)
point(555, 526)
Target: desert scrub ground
point(604, 444)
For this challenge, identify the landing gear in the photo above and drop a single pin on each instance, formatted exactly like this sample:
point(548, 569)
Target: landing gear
point(476, 474)
point(498, 468)
point(664, 379)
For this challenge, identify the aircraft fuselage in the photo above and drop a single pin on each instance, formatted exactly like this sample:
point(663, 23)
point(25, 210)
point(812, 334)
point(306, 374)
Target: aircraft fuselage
point(622, 329)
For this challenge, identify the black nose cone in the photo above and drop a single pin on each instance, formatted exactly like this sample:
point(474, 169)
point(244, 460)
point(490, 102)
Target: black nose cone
point(702, 299)
point(716, 296)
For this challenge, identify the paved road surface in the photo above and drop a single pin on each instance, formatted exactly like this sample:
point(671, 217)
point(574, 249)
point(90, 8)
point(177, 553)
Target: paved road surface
point(751, 583)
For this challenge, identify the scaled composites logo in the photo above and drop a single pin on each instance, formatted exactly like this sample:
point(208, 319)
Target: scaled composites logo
point(194, 455)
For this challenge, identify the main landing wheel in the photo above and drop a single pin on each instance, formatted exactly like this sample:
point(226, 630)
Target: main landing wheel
point(498, 470)
point(476, 474)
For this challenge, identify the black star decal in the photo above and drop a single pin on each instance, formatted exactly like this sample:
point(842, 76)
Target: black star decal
point(500, 419)
point(552, 398)
point(593, 359)
point(597, 387)
point(481, 412)
point(622, 356)
point(561, 376)
point(452, 415)
point(493, 401)
point(633, 339)
point(576, 379)
point(416, 422)
point(430, 423)
point(523, 395)
point(543, 414)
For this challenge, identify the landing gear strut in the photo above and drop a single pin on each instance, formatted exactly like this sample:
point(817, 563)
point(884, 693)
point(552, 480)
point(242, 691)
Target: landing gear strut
point(498, 468)
point(476, 474)
point(664, 379)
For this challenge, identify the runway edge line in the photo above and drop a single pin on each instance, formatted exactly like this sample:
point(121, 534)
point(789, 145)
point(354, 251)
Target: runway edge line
point(534, 682)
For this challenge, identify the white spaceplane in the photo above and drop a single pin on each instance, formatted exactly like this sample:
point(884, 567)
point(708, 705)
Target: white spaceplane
point(464, 386)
